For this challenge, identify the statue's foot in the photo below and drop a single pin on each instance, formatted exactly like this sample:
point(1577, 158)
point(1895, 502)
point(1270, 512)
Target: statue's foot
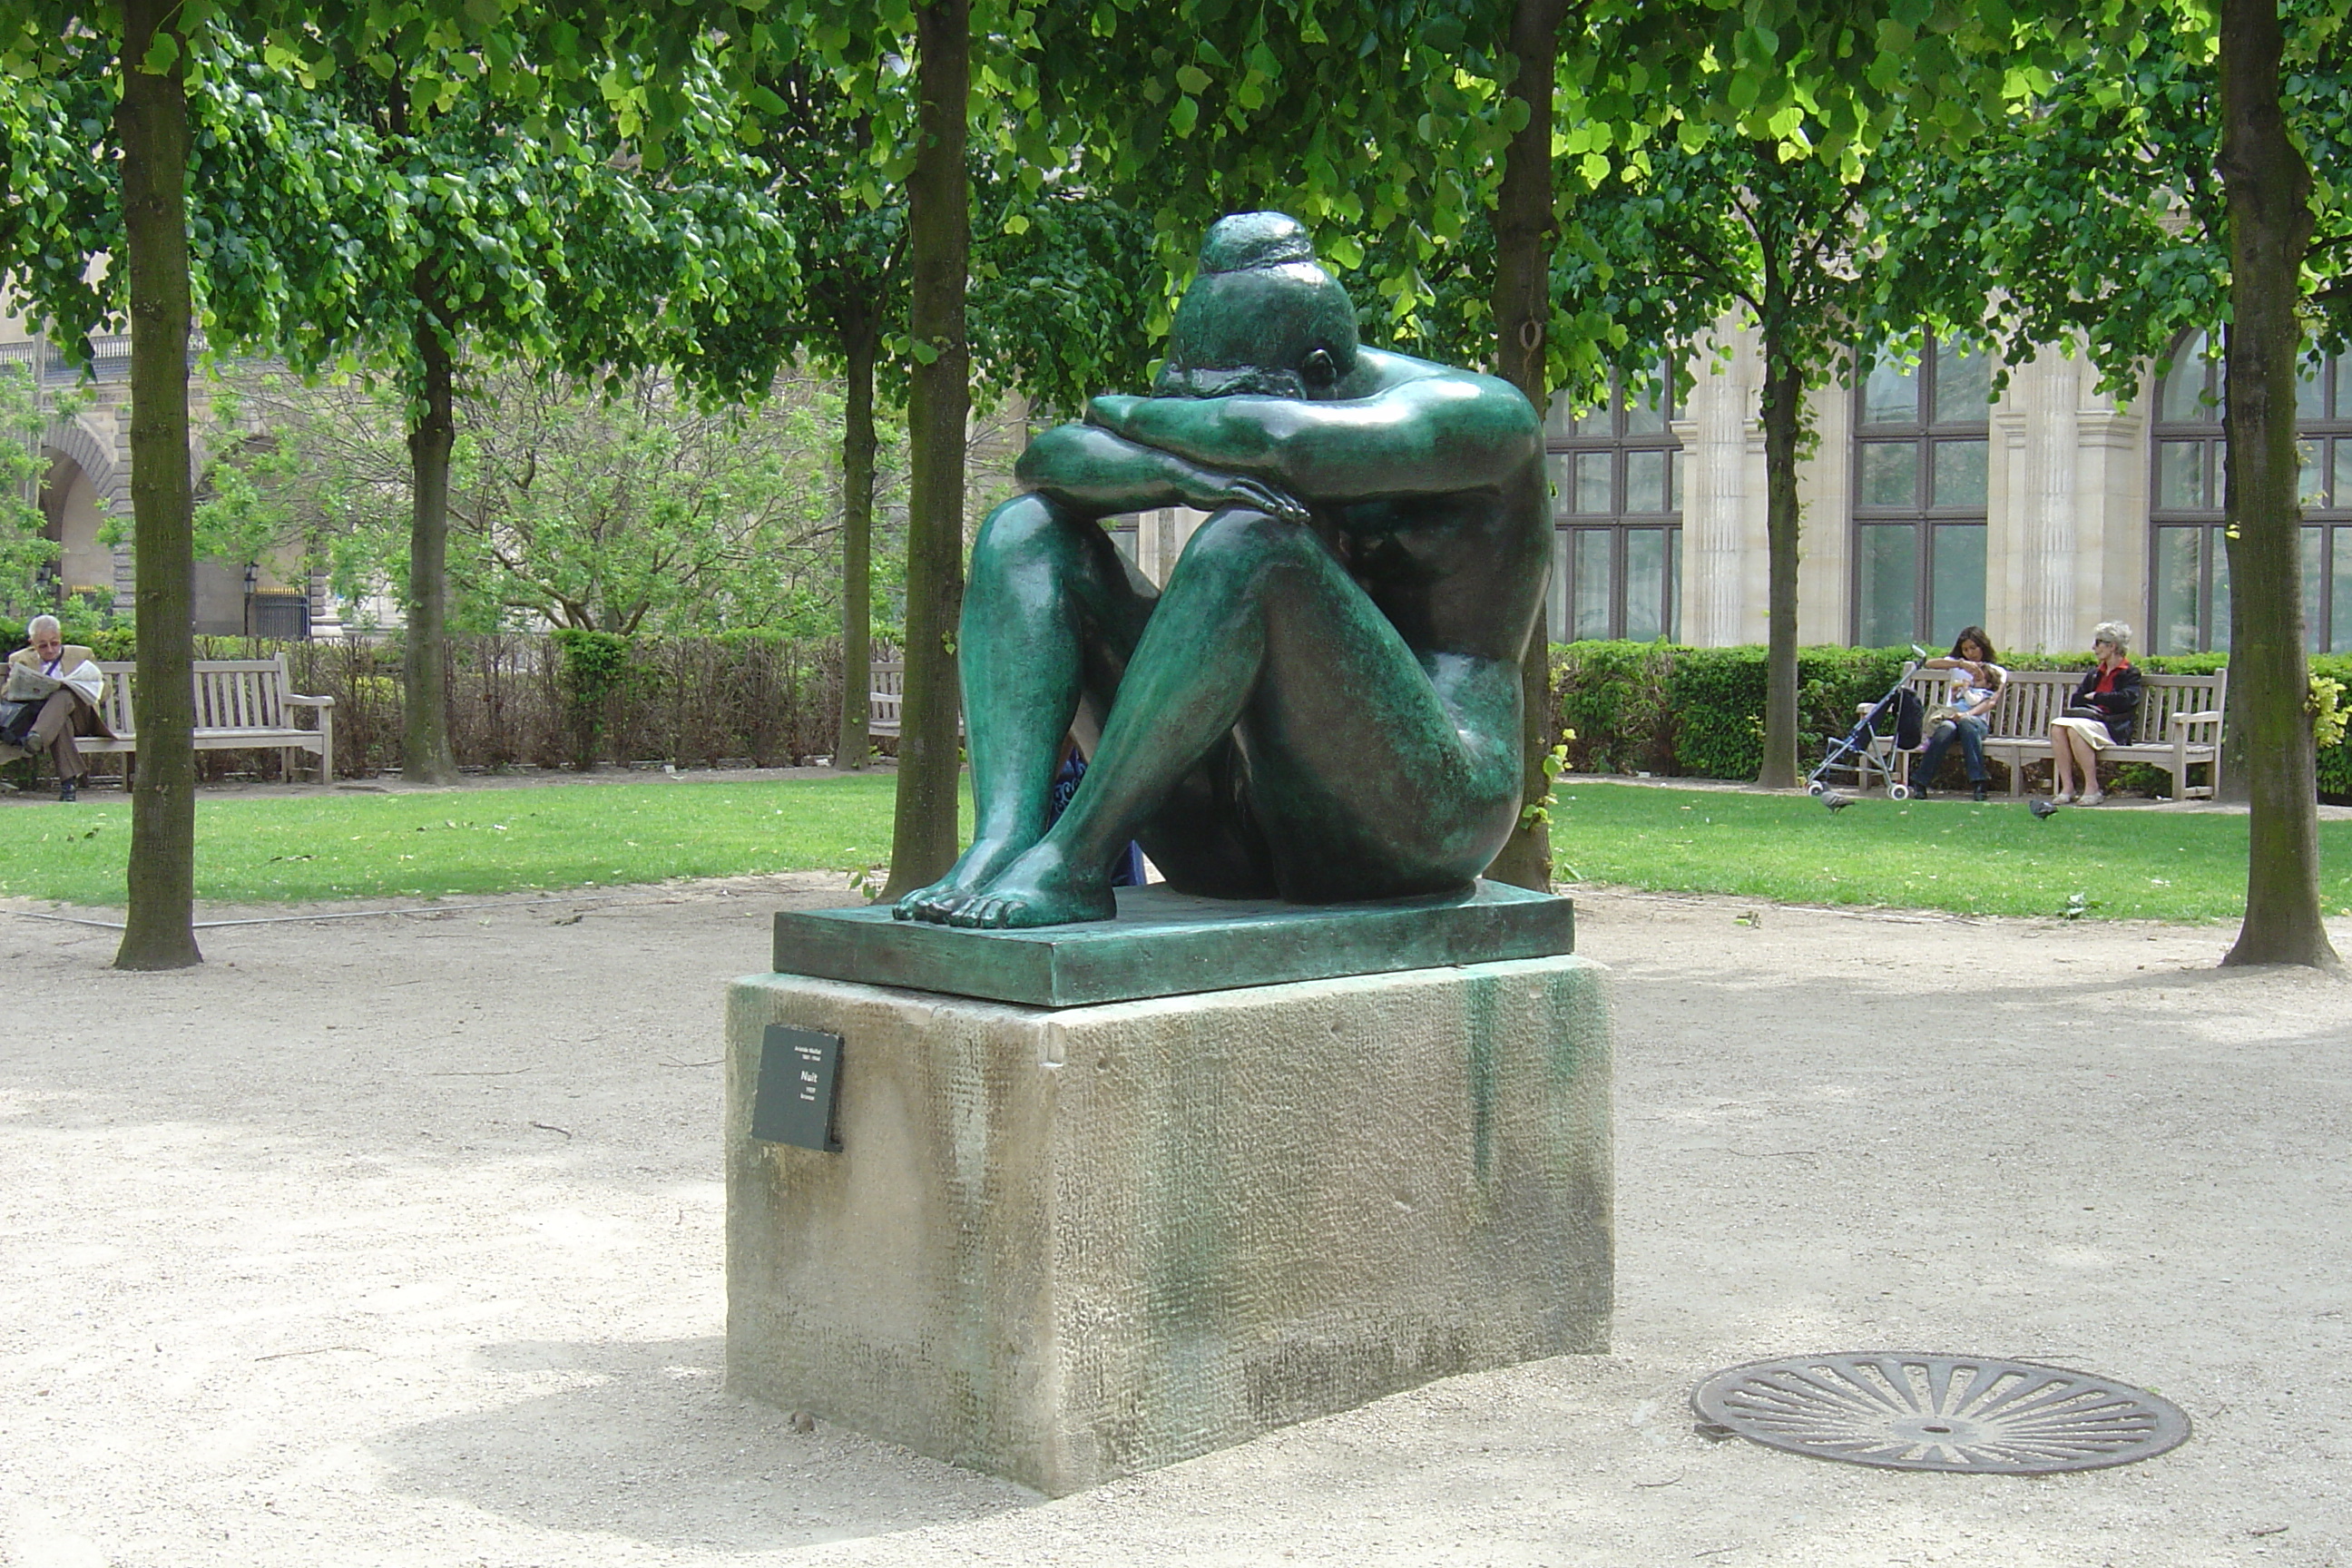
point(973, 870)
point(1040, 889)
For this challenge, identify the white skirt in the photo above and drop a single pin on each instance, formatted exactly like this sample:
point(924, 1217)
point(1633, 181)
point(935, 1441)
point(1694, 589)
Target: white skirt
point(2091, 729)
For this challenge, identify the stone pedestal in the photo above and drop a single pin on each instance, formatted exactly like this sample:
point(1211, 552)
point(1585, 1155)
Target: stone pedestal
point(1063, 1245)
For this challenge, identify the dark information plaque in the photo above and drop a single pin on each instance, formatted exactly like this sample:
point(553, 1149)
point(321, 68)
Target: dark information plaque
point(800, 1077)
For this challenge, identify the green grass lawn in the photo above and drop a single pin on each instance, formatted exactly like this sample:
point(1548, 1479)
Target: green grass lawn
point(338, 846)
point(1940, 854)
point(1948, 855)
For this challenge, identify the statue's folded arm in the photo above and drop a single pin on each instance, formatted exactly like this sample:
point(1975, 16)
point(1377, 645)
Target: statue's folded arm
point(1425, 436)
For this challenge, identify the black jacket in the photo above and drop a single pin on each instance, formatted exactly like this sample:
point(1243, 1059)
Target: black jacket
point(2119, 705)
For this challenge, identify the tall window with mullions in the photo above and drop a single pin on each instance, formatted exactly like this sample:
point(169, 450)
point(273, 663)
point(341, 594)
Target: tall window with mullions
point(1616, 484)
point(2189, 564)
point(1921, 456)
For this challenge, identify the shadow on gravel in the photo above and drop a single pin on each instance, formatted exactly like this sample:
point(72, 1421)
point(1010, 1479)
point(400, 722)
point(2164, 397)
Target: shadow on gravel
point(643, 1444)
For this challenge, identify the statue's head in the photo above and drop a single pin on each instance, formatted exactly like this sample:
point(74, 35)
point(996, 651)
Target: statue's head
point(1262, 315)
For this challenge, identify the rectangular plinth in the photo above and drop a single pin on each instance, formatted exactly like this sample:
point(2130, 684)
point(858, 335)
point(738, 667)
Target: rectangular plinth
point(1166, 943)
point(1067, 1244)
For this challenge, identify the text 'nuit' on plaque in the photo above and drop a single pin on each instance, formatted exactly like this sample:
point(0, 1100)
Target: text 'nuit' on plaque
point(800, 1077)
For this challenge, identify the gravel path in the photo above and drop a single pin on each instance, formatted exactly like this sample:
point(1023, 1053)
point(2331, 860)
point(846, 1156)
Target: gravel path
point(398, 1241)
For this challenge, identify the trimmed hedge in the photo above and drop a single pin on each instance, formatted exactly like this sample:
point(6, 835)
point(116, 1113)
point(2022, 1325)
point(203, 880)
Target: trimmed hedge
point(573, 700)
point(1698, 712)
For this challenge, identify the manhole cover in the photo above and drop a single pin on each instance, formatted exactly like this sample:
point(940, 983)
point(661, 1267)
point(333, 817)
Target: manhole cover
point(1910, 1412)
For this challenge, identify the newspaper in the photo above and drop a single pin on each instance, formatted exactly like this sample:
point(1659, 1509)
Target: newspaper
point(27, 684)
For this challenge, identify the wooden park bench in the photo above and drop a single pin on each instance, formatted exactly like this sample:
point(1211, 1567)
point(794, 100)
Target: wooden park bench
point(242, 704)
point(2179, 727)
point(886, 698)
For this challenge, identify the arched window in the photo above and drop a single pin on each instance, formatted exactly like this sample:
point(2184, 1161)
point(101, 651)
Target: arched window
point(1617, 542)
point(1920, 461)
point(2189, 563)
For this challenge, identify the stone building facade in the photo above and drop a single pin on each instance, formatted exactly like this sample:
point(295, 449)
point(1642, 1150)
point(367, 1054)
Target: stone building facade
point(85, 479)
point(1928, 504)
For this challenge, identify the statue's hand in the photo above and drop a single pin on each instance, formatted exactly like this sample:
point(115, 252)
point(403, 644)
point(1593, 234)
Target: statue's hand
point(1216, 490)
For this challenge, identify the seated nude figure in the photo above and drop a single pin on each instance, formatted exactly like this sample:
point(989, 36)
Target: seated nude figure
point(1323, 703)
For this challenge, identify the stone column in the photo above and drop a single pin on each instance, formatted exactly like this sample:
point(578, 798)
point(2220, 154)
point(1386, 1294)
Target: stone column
point(1722, 442)
point(2031, 554)
point(1825, 508)
point(326, 614)
point(2112, 457)
point(2066, 544)
point(1160, 538)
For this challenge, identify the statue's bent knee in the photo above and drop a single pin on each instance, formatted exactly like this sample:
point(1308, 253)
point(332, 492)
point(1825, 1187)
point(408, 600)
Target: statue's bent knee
point(1243, 537)
point(1017, 529)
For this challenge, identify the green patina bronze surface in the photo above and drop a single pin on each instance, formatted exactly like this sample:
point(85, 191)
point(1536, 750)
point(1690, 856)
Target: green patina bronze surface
point(1322, 704)
point(1166, 943)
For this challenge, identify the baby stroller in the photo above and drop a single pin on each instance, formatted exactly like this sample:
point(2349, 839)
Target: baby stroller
point(1856, 754)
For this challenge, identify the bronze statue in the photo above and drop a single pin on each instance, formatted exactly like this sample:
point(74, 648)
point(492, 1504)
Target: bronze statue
point(1323, 703)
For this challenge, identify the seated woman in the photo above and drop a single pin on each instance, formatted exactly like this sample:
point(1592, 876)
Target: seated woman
point(1966, 714)
point(2100, 714)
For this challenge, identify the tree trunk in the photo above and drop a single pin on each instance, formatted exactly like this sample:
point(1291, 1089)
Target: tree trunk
point(425, 755)
point(1523, 227)
point(1783, 417)
point(939, 199)
point(2229, 786)
point(858, 334)
point(159, 928)
point(2268, 188)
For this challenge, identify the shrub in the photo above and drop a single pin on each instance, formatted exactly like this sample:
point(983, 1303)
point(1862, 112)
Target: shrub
point(594, 668)
point(1613, 695)
point(1716, 699)
point(2335, 761)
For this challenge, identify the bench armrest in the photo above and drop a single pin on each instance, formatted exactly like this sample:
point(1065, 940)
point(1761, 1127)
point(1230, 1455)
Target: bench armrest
point(296, 699)
point(2183, 722)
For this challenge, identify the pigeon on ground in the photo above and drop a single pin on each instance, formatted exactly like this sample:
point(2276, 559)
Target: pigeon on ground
point(1835, 802)
point(2042, 809)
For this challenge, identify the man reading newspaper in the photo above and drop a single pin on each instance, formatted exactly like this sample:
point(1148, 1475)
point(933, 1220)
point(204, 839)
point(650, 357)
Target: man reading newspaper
point(52, 695)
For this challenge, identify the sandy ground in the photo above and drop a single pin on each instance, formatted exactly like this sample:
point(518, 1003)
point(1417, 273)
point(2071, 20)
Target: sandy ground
point(397, 1241)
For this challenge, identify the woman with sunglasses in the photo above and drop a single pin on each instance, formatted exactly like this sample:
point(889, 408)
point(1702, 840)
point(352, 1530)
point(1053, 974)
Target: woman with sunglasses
point(2100, 715)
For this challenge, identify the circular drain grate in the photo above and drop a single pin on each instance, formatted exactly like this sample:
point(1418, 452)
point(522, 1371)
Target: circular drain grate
point(1909, 1412)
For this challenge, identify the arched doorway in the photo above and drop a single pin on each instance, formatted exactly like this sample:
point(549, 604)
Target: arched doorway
point(79, 487)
